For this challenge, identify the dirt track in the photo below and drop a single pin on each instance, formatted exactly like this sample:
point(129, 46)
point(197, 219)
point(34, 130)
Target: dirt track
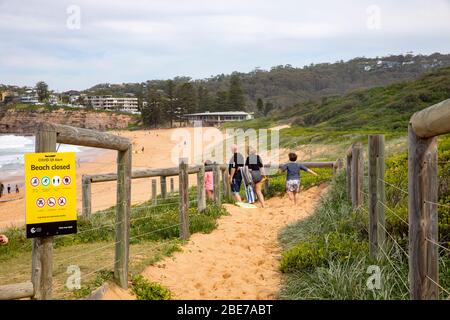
point(238, 260)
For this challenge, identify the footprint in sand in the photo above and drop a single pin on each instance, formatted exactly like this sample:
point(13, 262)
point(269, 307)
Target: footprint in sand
point(260, 262)
point(198, 286)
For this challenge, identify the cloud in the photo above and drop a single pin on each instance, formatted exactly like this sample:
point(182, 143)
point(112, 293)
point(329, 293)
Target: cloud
point(136, 40)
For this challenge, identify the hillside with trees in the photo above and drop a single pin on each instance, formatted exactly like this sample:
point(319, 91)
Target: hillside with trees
point(282, 86)
point(340, 118)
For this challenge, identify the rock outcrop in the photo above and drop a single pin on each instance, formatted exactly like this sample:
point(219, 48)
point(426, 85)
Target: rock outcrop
point(25, 121)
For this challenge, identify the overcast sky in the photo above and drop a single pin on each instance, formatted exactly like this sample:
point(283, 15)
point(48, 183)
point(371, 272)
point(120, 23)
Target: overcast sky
point(133, 41)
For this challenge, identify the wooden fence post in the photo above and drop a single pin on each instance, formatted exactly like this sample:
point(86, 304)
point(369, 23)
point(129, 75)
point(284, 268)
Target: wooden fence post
point(337, 166)
point(357, 175)
point(376, 194)
point(216, 174)
point(423, 218)
point(349, 175)
point(86, 196)
point(226, 184)
point(381, 194)
point(172, 186)
point(201, 193)
point(42, 250)
point(154, 194)
point(163, 182)
point(123, 211)
point(184, 199)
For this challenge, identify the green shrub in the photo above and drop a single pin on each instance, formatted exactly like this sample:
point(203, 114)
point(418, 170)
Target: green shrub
point(100, 278)
point(318, 250)
point(145, 290)
point(344, 280)
point(277, 182)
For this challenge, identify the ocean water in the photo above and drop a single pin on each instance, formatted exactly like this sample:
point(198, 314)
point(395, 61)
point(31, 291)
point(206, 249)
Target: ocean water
point(12, 150)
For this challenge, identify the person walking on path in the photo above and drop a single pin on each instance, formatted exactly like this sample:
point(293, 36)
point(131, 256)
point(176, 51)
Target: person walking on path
point(292, 169)
point(2, 187)
point(209, 182)
point(236, 162)
point(17, 189)
point(9, 188)
point(256, 167)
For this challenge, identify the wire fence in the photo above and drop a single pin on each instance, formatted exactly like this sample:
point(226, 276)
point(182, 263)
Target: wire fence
point(395, 242)
point(89, 253)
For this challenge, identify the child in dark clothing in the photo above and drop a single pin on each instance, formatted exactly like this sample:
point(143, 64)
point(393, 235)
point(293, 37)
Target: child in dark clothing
point(293, 176)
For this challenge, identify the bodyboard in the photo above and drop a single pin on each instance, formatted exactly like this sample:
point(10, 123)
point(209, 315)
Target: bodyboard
point(246, 205)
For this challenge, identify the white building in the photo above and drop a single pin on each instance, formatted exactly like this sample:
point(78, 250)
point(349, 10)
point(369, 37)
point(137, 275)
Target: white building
point(29, 98)
point(110, 103)
point(214, 118)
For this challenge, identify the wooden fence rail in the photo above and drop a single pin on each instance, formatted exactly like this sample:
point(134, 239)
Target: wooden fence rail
point(17, 291)
point(162, 173)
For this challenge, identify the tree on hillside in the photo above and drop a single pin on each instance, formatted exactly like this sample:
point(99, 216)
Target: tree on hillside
point(268, 108)
point(204, 99)
point(140, 95)
point(65, 99)
point(42, 91)
point(260, 106)
point(186, 98)
point(152, 111)
point(221, 101)
point(170, 105)
point(236, 100)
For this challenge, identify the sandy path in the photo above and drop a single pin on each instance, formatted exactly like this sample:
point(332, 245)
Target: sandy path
point(238, 260)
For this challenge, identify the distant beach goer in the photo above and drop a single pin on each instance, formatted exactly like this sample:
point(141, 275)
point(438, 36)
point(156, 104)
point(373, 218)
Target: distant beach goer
point(255, 165)
point(293, 176)
point(236, 162)
point(2, 187)
point(209, 182)
point(9, 188)
point(3, 239)
point(17, 189)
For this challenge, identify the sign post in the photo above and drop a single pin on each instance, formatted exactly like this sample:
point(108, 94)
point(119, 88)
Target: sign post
point(50, 194)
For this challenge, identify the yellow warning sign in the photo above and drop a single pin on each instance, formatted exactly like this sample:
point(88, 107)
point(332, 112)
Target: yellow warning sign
point(50, 194)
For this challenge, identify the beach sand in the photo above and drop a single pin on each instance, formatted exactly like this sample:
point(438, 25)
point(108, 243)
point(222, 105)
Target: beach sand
point(158, 148)
point(238, 260)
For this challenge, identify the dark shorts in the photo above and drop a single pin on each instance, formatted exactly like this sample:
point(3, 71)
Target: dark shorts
point(256, 176)
point(236, 184)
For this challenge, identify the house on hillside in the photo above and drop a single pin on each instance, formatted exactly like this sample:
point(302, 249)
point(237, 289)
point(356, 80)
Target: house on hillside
point(110, 103)
point(216, 118)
